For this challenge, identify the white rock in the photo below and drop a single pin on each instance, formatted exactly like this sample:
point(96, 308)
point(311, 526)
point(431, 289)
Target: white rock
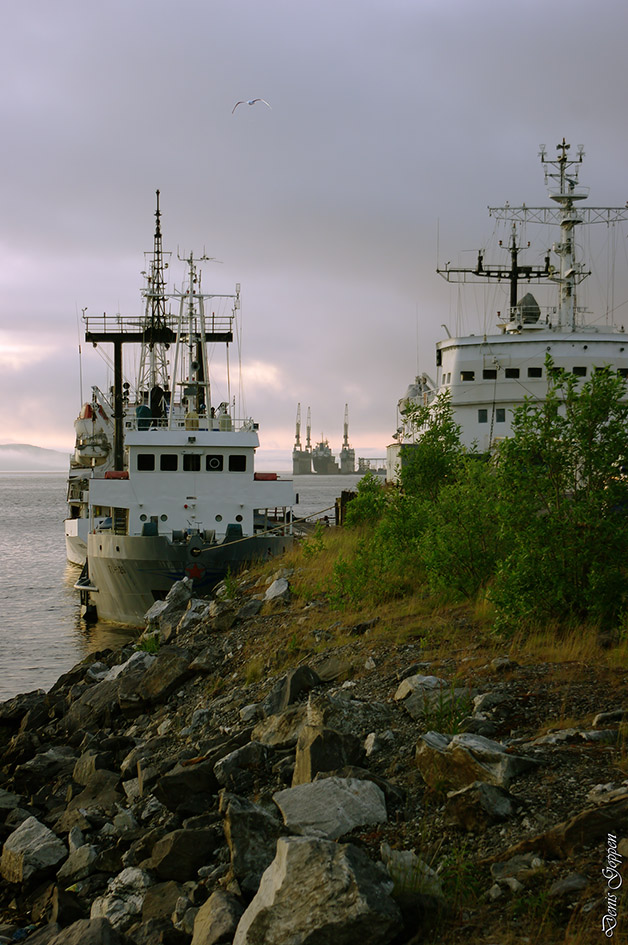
point(30, 849)
point(332, 806)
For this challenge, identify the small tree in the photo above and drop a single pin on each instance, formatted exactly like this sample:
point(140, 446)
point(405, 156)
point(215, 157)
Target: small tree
point(564, 504)
point(434, 459)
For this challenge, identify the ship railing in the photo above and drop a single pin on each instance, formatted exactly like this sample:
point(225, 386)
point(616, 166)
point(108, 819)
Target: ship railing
point(191, 422)
point(122, 324)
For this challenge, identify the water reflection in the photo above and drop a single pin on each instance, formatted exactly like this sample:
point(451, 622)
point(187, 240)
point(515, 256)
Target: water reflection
point(96, 635)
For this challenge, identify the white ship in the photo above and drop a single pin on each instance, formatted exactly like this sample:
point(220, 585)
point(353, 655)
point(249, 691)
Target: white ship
point(162, 483)
point(489, 375)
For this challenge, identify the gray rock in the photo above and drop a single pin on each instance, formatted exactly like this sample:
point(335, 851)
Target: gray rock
point(90, 762)
point(122, 903)
point(197, 611)
point(250, 609)
point(607, 718)
point(170, 669)
point(252, 833)
point(418, 684)
point(161, 899)
point(250, 713)
point(323, 749)
point(217, 919)
point(563, 888)
point(9, 801)
point(221, 615)
point(97, 931)
point(288, 689)
point(278, 590)
point(30, 851)
point(180, 854)
point(45, 767)
point(137, 661)
point(521, 867)
point(478, 805)
point(410, 874)
point(317, 891)
point(241, 768)
point(462, 759)
point(282, 729)
point(377, 742)
point(331, 807)
point(79, 865)
point(184, 783)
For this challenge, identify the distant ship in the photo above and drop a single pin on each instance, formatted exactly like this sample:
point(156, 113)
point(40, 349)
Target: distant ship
point(323, 459)
point(320, 459)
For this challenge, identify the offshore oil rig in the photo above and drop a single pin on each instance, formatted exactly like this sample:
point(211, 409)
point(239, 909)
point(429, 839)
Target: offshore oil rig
point(320, 459)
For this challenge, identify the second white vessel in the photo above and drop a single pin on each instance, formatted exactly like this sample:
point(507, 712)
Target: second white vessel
point(488, 375)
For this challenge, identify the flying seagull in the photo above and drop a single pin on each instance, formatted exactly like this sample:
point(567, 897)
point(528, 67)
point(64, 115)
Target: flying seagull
point(251, 101)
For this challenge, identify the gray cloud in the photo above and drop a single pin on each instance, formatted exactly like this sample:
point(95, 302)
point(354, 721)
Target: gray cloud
point(390, 119)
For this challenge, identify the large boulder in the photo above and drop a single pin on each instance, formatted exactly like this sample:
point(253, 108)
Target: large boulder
point(453, 762)
point(289, 688)
point(252, 833)
point(30, 852)
point(180, 854)
point(122, 902)
point(324, 749)
point(318, 891)
point(217, 919)
point(478, 805)
point(331, 807)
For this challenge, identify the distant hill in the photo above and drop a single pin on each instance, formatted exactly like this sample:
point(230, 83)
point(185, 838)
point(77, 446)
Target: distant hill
point(21, 457)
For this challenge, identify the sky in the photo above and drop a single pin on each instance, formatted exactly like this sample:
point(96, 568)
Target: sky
point(393, 126)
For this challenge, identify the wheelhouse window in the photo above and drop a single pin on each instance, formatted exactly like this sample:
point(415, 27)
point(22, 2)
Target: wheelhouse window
point(214, 462)
point(580, 371)
point(489, 374)
point(482, 415)
point(145, 462)
point(622, 371)
point(535, 372)
point(191, 462)
point(237, 463)
point(467, 375)
point(168, 462)
point(500, 415)
point(512, 372)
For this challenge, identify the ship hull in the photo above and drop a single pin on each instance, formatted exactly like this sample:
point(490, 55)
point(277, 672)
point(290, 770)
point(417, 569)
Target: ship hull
point(128, 573)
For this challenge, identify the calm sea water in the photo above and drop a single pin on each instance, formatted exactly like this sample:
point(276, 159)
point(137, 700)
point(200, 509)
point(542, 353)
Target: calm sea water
point(41, 631)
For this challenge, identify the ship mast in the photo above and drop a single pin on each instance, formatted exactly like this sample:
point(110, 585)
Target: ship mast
point(308, 430)
point(571, 272)
point(153, 369)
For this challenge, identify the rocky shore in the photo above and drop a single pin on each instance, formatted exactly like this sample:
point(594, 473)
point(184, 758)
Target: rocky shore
point(254, 772)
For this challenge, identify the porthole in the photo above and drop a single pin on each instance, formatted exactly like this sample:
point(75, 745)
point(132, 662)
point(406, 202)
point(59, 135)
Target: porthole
point(219, 518)
point(143, 518)
point(118, 548)
point(238, 518)
point(164, 518)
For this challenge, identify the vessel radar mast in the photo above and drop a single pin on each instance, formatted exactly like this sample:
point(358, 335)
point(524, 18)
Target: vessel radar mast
point(153, 368)
point(196, 329)
point(563, 170)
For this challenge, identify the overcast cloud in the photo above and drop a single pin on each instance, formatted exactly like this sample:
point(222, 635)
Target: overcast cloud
point(391, 121)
